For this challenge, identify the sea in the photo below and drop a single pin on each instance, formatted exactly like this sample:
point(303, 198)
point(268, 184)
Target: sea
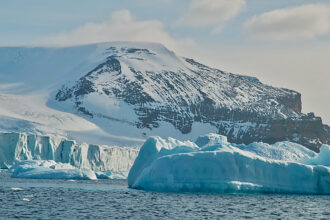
point(112, 199)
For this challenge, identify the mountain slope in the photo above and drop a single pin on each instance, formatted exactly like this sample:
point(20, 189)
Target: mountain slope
point(140, 89)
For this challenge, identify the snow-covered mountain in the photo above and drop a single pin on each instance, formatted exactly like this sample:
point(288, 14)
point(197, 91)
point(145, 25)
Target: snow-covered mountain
point(121, 92)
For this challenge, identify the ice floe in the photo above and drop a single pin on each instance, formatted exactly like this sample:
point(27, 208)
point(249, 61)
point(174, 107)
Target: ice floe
point(48, 169)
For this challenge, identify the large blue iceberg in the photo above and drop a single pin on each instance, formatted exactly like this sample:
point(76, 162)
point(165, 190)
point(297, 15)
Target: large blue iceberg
point(211, 164)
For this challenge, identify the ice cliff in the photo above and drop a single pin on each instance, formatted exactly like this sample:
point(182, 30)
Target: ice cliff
point(17, 147)
point(214, 165)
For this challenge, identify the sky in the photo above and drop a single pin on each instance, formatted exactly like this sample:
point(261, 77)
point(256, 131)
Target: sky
point(285, 43)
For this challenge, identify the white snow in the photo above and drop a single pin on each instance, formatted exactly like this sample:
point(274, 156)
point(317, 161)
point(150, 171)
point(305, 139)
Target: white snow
point(222, 167)
point(43, 169)
point(29, 113)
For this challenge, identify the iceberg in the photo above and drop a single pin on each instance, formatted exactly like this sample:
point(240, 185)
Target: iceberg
point(213, 165)
point(48, 169)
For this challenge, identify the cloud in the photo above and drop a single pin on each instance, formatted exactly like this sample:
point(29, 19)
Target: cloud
point(211, 13)
point(303, 22)
point(121, 26)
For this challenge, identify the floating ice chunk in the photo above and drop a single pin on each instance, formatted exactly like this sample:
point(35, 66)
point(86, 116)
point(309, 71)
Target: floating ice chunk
point(42, 169)
point(323, 158)
point(16, 189)
point(219, 169)
point(104, 175)
point(111, 175)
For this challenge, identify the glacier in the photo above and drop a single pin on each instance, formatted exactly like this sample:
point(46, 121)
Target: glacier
point(213, 165)
point(106, 161)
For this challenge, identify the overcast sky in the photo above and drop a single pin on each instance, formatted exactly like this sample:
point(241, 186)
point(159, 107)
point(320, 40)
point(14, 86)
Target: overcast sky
point(285, 43)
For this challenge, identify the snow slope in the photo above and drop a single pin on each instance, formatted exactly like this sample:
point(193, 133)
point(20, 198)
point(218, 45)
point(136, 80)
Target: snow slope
point(220, 167)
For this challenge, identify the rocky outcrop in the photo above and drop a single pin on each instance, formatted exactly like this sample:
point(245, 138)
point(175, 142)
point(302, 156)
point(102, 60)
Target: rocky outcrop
point(307, 131)
point(327, 130)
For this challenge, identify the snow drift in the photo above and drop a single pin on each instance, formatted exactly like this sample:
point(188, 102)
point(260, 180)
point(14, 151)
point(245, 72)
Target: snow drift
point(16, 147)
point(214, 165)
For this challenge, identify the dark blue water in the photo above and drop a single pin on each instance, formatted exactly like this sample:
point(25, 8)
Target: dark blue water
point(111, 199)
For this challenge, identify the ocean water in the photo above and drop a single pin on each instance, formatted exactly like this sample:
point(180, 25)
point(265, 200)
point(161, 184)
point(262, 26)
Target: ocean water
point(111, 199)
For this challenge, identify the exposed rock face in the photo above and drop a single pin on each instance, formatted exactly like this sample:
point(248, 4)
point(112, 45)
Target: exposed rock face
point(162, 87)
point(327, 129)
point(306, 131)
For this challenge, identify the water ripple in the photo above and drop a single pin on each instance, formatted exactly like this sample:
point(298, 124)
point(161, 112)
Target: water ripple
point(110, 199)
